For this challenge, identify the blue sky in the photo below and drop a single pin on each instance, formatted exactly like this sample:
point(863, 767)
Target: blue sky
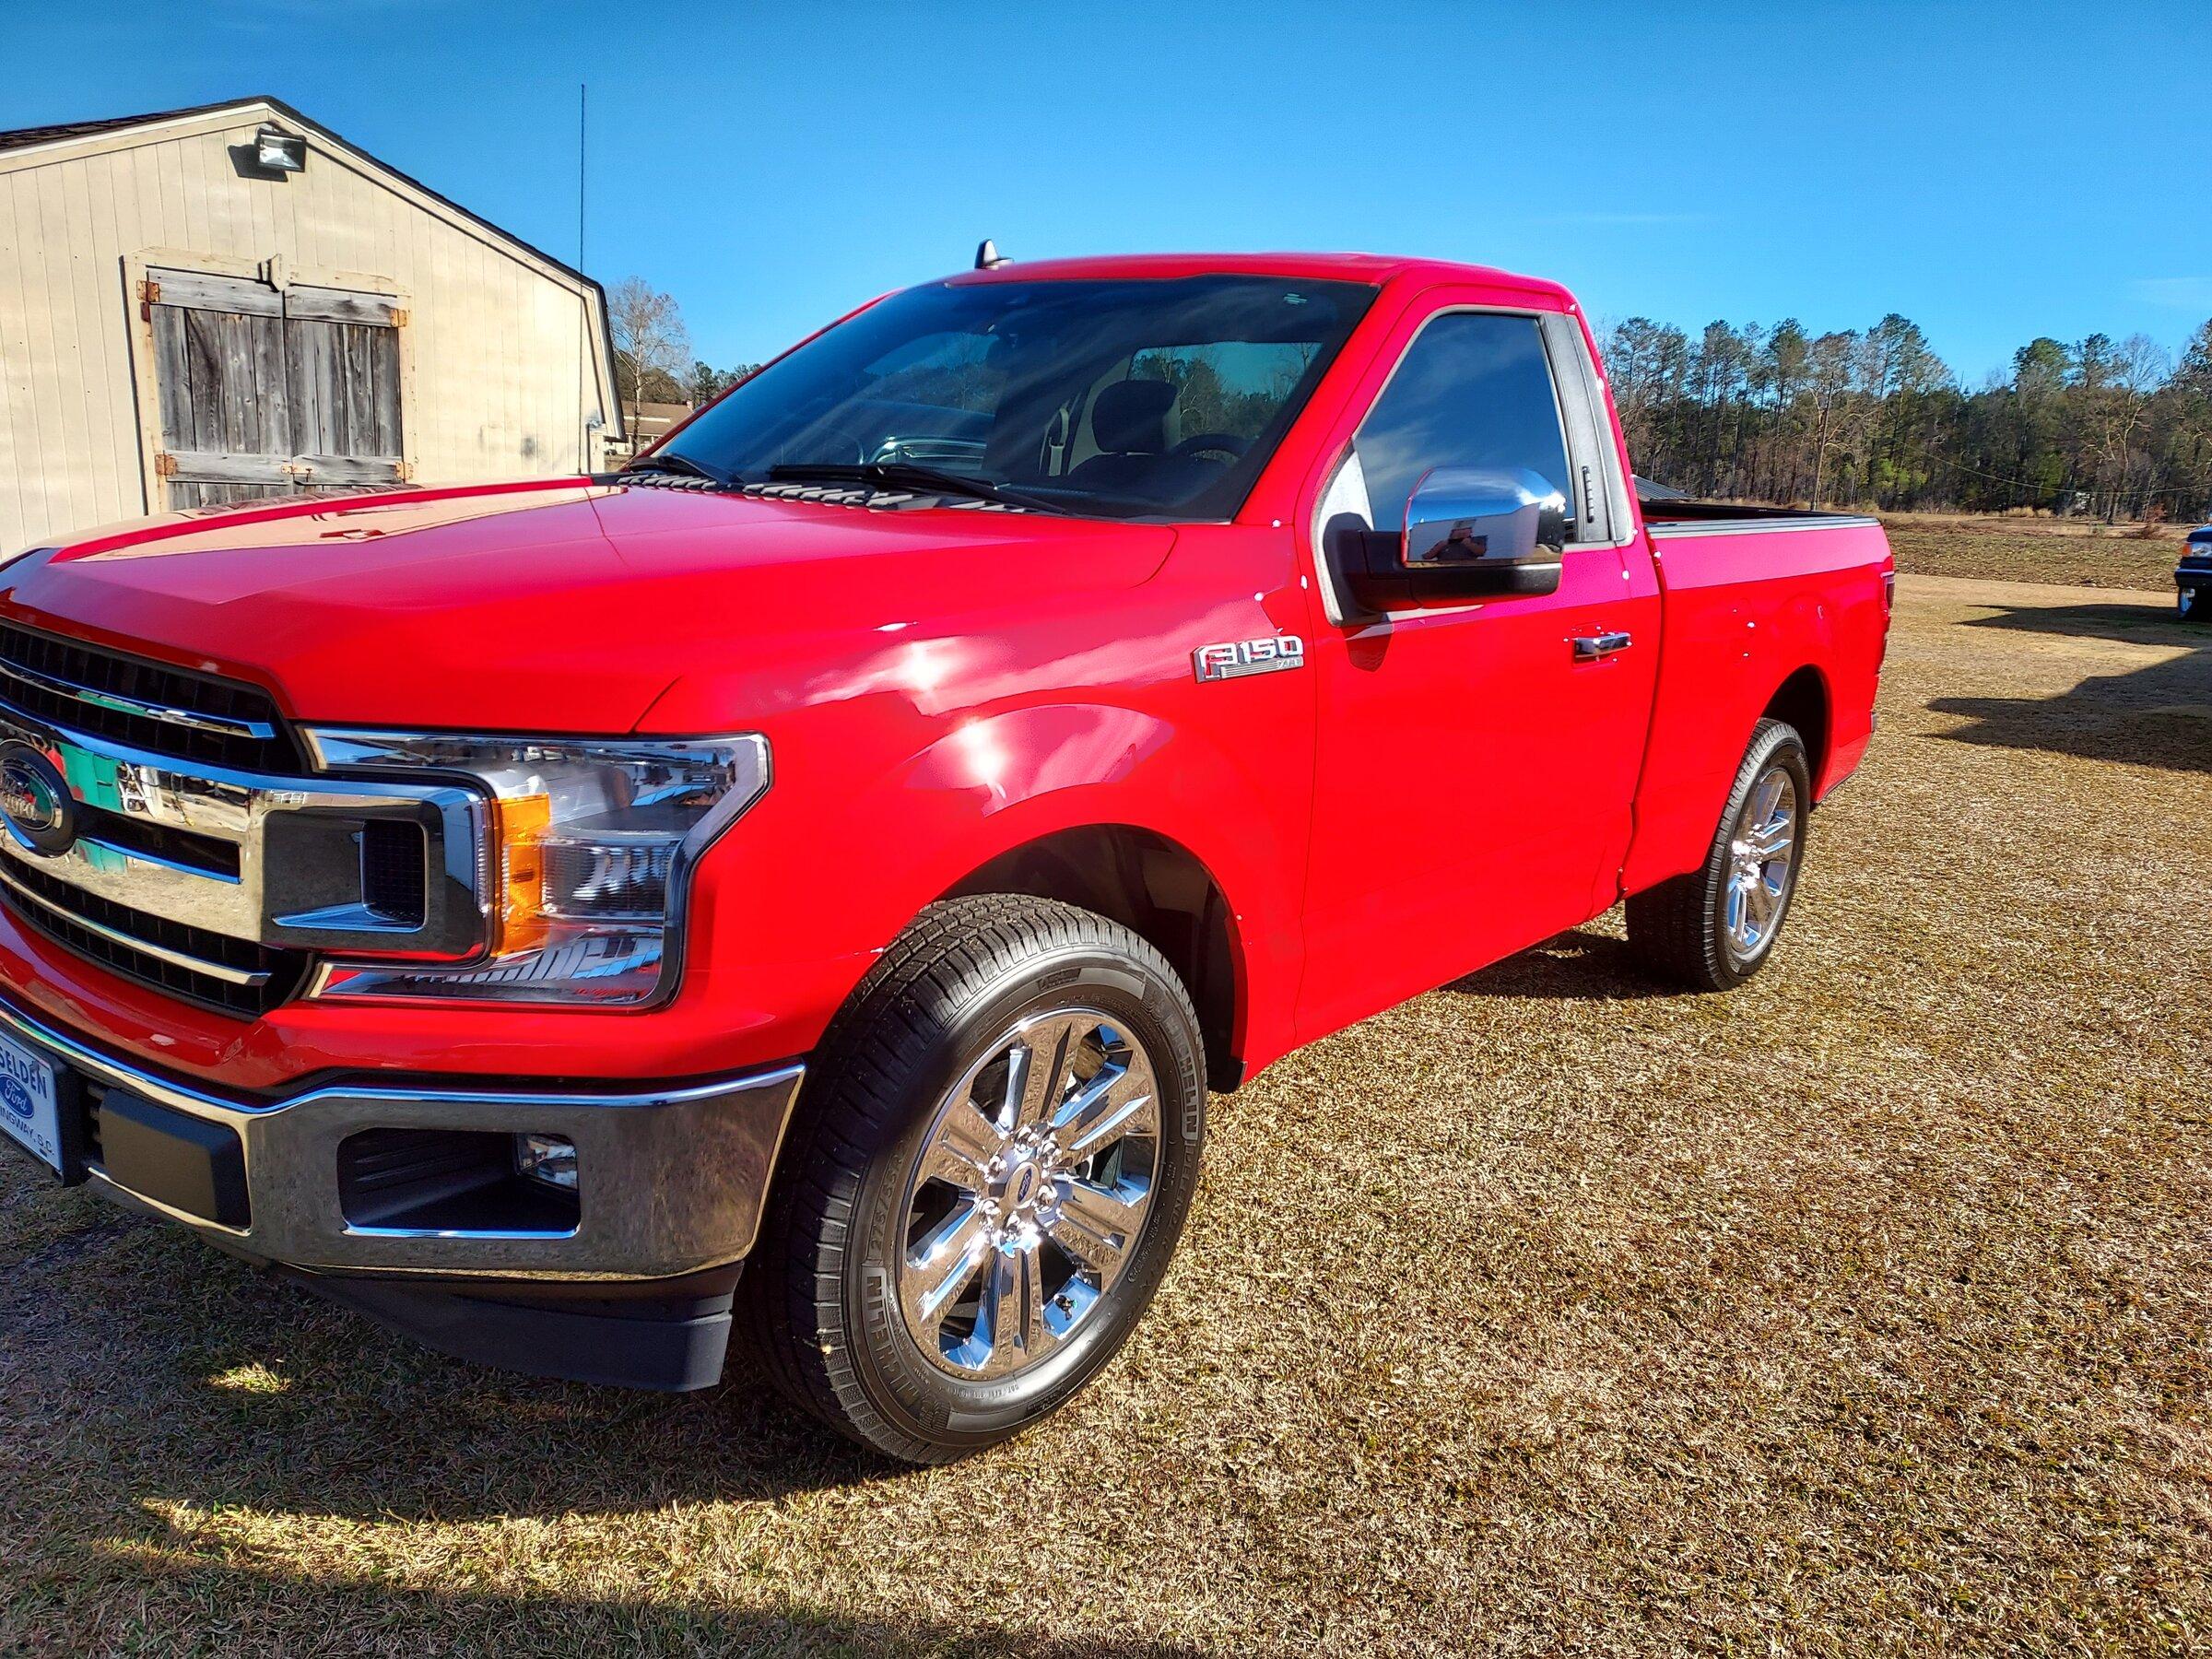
point(1993, 172)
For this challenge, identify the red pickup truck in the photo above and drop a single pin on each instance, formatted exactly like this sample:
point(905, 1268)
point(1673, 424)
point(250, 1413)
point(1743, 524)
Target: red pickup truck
point(811, 881)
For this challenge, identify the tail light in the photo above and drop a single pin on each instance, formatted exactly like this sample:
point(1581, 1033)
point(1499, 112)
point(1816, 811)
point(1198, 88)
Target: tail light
point(1889, 616)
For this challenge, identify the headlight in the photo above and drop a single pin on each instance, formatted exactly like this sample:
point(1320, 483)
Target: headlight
point(591, 847)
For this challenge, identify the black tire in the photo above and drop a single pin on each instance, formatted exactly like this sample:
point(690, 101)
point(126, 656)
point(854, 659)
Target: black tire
point(1679, 928)
point(2189, 605)
point(820, 1300)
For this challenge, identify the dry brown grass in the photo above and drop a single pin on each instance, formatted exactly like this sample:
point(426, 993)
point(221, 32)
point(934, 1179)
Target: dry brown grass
point(1868, 1308)
point(2016, 547)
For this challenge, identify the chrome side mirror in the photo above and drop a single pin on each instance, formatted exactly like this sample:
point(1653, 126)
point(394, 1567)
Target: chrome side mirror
point(1480, 519)
point(1469, 533)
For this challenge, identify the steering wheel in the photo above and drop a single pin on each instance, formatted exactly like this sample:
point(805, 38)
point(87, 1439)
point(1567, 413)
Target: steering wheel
point(1225, 444)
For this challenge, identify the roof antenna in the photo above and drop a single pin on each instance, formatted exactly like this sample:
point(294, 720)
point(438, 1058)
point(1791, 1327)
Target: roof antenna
point(988, 258)
point(593, 421)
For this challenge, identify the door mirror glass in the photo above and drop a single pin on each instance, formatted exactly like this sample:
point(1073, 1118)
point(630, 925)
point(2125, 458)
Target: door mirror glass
point(1468, 518)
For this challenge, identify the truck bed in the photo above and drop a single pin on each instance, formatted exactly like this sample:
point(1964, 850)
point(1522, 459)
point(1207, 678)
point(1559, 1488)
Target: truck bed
point(1681, 516)
point(1746, 590)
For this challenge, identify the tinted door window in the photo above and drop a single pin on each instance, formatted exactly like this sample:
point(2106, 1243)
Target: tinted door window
point(1474, 390)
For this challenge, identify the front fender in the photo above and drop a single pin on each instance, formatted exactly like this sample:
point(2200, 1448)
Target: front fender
point(981, 787)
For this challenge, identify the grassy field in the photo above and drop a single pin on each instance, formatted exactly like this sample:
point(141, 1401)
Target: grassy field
point(2019, 548)
point(1866, 1309)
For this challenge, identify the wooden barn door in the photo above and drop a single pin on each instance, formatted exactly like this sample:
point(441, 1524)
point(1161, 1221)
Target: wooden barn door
point(265, 392)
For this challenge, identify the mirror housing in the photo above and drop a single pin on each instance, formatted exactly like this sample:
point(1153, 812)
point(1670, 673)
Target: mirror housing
point(1469, 518)
point(1469, 533)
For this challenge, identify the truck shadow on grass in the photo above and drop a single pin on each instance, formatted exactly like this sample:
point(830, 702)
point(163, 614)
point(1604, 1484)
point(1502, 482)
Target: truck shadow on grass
point(2156, 715)
point(177, 1582)
point(2126, 624)
point(156, 1370)
point(1581, 965)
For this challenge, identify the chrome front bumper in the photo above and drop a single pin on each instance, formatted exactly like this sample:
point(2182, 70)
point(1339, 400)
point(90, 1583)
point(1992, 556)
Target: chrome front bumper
point(671, 1179)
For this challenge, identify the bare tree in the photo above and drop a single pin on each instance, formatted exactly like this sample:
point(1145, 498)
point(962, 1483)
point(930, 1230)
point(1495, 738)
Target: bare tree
point(2128, 376)
point(1786, 367)
point(1647, 364)
point(651, 340)
point(1828, 364)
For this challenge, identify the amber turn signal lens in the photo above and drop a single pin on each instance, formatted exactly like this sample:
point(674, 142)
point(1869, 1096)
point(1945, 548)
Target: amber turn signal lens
point(520, 826)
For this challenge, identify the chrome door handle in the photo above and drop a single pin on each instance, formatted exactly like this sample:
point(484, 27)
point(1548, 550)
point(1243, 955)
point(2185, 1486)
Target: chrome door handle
point(1588, 648)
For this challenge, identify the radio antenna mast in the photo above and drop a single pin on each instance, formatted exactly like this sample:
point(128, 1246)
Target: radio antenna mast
point(584, 425)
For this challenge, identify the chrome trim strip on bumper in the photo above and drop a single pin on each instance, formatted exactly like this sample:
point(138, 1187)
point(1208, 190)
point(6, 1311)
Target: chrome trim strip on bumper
point(673, 1180)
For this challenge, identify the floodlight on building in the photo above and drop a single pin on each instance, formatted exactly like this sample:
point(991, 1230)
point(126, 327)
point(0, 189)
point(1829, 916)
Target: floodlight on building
point(279, 151)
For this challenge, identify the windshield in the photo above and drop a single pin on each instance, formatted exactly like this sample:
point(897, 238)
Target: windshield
point(1130, 399)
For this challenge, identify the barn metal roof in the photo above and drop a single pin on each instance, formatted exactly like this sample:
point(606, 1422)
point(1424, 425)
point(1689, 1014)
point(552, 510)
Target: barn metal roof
point(21, 137)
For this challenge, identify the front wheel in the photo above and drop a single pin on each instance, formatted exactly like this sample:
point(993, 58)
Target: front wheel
point(988, 1173)
point(2188, 603)
point(1715, 927)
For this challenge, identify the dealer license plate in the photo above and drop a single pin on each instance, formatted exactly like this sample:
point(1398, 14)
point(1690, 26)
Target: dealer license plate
point(28, 1108)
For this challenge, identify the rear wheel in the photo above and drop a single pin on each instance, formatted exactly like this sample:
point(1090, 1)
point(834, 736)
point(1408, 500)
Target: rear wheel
point(1715, 927)
point(989, 1172)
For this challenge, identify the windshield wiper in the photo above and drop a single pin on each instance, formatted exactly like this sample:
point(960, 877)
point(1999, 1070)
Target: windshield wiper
point(668, 461)
point(905, 475)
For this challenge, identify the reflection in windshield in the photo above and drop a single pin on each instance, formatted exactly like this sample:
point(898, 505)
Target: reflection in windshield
point(1134, 398)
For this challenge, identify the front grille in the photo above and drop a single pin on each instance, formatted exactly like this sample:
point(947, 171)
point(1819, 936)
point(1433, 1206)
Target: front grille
point(73, 918)
point(210, 862)
point(32, 665)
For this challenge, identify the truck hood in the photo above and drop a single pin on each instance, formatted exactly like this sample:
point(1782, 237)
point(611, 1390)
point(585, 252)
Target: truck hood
point(568, 607)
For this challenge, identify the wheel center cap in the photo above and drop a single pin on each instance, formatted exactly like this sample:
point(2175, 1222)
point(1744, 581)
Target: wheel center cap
point(1022, 1195)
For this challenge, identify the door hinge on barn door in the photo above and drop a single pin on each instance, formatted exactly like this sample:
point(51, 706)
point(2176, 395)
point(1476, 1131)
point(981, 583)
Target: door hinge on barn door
point(149, 296)
point(165, 465)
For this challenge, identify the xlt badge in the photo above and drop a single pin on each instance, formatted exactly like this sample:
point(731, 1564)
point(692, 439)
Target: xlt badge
point(1232, 659)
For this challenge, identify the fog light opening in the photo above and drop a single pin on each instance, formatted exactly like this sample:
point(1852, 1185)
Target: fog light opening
point(549, 1159)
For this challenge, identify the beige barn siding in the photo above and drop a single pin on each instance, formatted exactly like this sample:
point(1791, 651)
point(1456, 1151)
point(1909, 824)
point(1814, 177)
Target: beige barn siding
point(505, 356)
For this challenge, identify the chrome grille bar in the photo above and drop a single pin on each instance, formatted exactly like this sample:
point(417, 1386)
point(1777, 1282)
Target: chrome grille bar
point(132, 942)
point(186, 713)
point(221, 724)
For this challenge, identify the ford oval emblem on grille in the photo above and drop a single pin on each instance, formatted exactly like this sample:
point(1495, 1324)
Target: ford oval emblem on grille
point(35, 801)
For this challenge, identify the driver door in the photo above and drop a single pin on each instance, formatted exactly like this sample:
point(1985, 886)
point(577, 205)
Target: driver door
point(1475, 774)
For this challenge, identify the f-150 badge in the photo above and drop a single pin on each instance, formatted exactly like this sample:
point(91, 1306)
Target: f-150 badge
point(1234, 659)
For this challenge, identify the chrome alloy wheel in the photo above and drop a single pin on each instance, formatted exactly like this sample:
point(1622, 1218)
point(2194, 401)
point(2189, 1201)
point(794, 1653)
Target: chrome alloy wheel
point(1760, 863)
point(1029, 1193)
